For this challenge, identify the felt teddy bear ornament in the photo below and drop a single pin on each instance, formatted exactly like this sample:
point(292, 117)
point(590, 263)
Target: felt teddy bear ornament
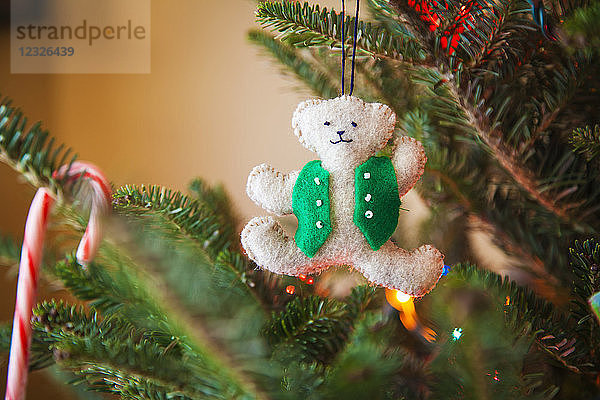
point(347, 203)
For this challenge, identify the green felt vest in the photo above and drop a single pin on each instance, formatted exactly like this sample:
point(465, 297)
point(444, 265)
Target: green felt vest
point(376, 203)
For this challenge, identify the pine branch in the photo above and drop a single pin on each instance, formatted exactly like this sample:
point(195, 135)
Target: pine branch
point(582, 28)
point(585, 261)
point(490, 104)
point(390, 83)
point(74, 336)
point(81, 342)
point(528, 314)
point(454, 175)
point(530, 261)
point(461, 173)
point(29, 149)
point(287, 55)
point(5, 331)
point(39, 357)
point(130, 387)
point(209, 290)
point(479, 186)
point(508, 159)
point(216, 201)
point(366, 368)
point(383, 12)
point(193, 238)
point(263, 286)
point(190, 216)
point(452, 107)
point(317, 327)
point(359, 300)
point(119, 292)
point(114, 292)
point(121, 295)
point(9, 252)
point(306, 25)
point(501, 27)
point(46, 350)
point(67, 379)
point(586, 141)
point(526, 255)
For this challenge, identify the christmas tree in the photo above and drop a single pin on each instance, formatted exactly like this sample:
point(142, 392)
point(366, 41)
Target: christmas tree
point(503, 94)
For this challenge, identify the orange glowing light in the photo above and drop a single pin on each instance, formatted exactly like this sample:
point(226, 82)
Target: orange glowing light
point(507, 302)
point(291, 289)
point(428, 334)
point(310, 280)
point(396, 298)
point(302, 277)
point(402, 297)
point(408, 315)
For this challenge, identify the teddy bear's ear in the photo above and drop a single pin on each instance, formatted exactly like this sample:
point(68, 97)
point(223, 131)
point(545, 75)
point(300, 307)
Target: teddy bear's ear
point(302, 108)
point(385, 117)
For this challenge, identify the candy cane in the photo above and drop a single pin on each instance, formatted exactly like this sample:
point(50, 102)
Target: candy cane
point(101, 197)
point(31, 257)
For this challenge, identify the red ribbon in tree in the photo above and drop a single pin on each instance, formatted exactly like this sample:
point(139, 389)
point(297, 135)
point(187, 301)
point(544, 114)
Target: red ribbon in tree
point(431, 12)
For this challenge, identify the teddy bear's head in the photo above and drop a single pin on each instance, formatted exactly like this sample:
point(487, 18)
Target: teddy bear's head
point(344, 131)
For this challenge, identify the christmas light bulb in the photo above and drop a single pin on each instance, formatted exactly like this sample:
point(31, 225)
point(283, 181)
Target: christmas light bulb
point(456, 334)
point(446, 269)
point(402, 297)
point(408, 315)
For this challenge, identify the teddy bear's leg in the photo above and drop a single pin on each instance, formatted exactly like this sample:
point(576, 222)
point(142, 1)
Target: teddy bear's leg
point(414, 272)
point(267, 244)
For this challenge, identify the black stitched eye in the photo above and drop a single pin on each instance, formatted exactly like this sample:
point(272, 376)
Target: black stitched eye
point(354, 124)
point(327, 123)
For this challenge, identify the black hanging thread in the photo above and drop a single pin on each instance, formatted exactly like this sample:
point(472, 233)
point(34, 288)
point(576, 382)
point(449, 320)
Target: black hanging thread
point(343, 44)
point(354, 48)
point(354, 38)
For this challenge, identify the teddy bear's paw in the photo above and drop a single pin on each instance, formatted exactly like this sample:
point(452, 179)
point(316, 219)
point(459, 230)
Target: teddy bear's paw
point(414, 273)
point(427, 267)
point(253, 232)
point(267, 244)
point(270, 189)
point(409, 161)
point(259, 181)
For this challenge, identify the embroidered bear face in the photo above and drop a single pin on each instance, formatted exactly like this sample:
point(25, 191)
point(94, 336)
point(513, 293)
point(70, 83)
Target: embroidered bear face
point(344, 131)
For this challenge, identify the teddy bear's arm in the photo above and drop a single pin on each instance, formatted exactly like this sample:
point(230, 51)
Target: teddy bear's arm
point(271, 189)
point(409, 162)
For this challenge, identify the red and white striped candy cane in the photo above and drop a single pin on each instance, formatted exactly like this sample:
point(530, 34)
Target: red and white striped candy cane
point(101, 197)
point(31, 257)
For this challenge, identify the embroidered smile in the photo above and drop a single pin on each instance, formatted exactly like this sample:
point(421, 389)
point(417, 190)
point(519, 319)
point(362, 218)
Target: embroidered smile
point(342, 140)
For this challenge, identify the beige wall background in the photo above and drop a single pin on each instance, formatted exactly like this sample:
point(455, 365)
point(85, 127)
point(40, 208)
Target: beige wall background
point(213, 106)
